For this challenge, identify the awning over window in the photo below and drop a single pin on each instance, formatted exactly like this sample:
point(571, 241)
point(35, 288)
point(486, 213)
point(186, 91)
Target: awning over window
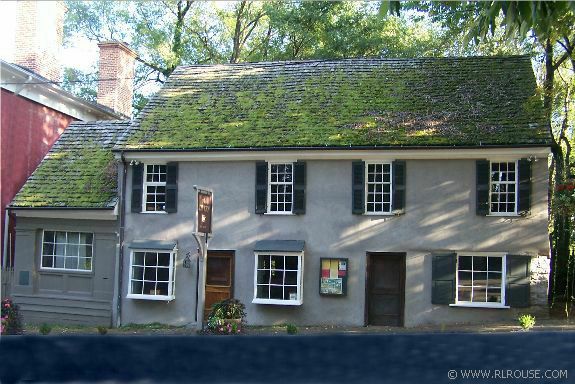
point(153, 244)
point(279, 246)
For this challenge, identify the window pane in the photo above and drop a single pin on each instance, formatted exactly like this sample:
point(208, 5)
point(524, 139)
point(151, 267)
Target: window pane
point(48, 261)
point(85, 263)
point(277, 262)
point(263, 292)
point(464, 293)
point(49, 236)
point(86, 238)
point(150, 273)
point(466, 263)
point(137, 273)
point(276, 292)
point(494, 279)
point(72, 250)
point(138, 258)
point(137, 287)
point(277, 277)
point(291, 278)
point(71, 263)
point(162, 288)
point(263, 262)
point(48, 249)
point(151, 258)
point(73, 237)
point(61, 237)
point(479, 263)
point(290, 293)
point(164, 259)
point(263, 277)
point(465, 278)
point(480, 279)
point(479, 295)
point(59, 262)
point(493, 295)
point(149, 288)
point(163, 274)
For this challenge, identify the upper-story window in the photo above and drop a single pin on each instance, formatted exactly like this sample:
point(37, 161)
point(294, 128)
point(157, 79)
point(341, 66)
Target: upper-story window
point(378, 188)
point(280, 187)
point(378, 193)
point(503, 191)
point(67, 250)
point(154, 187)
point(503, 187)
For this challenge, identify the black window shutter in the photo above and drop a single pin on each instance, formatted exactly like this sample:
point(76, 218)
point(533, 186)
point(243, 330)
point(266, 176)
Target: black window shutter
point(482, 187)
point(524, 199)
point(358, 184)
point(443, 287)
point(172, 187)
point(398, 186)
point(299, 177)
point(261, 186)
point(517, 290)
point(137, 186)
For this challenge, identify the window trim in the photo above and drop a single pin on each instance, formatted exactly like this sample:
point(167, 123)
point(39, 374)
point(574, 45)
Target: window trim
point(299, 300)
point(471, 304)
point(269, 188)
point(53, 269)
point(515, 213)
point(366, 189)
point(172, 276)
point(145, 185)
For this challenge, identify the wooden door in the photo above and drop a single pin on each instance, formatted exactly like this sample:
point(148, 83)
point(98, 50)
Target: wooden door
point(219, 278)
point(385, 288)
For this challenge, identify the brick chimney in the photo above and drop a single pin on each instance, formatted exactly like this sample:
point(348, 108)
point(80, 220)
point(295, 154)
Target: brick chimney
point(39, 34)
point(116, 76)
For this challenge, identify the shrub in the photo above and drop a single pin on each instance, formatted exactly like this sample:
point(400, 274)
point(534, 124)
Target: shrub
point(11, 321)
point(45, 329)
point(227, 317)
point(291, 329)
point(102, 330)
point(526, 321)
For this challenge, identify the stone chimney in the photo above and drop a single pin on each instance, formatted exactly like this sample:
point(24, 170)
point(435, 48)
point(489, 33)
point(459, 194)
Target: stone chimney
point(116, 76)
point(39, 34)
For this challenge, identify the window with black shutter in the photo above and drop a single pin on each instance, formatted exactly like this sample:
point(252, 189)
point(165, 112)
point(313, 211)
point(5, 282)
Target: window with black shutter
point(137, 181)
point(443, 281)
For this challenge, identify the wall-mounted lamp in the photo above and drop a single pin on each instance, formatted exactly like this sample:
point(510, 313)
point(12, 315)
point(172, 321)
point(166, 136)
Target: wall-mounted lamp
point(187, 262)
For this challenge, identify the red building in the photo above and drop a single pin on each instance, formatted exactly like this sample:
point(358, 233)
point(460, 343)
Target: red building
point(35, 110)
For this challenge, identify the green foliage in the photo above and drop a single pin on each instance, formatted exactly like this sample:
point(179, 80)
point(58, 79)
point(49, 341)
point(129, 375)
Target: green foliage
point(291, 329)
point(102, 330)
point(10, 319)
point(45, 329)
point(526, 321)
point(227, 317)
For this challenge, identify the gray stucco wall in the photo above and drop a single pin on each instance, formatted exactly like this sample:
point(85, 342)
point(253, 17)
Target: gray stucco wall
point(56, 296)
point(440, 215)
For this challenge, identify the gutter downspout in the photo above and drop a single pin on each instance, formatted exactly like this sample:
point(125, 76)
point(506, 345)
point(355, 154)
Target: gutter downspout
point(5, 248)
point(120, 258)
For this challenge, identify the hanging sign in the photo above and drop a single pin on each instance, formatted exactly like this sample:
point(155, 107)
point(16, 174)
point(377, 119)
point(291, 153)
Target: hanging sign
point(333, 276)
point(204, 213)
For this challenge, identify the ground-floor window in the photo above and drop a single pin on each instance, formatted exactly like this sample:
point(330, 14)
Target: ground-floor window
point(481, 280)
point(278, 278)
point(152, 275)
point(67, 250)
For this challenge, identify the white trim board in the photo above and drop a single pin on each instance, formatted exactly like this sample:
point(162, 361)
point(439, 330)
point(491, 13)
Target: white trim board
point(512, 153)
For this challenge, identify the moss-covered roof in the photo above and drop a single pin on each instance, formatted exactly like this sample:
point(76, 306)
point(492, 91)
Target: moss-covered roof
point(347, 103)
point(79, 171)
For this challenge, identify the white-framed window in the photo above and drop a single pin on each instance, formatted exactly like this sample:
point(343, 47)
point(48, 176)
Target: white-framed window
point(71, 251)
point(378, 188)
point(280, 188)
point(152, 274)
point(278, 278)
point(503, 188)
point(154, 188)
point(481, 280)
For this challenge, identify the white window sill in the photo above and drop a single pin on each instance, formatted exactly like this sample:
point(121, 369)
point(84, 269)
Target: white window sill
point(504, 215)
point(380, 214)
point(277, 302)
point(151, 297)
point(61, 270)
point(155, 212)
point(280, 213)
point(480, 305)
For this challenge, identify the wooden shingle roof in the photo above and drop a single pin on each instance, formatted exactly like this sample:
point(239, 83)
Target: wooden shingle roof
point(79, 171)
point(473, 101)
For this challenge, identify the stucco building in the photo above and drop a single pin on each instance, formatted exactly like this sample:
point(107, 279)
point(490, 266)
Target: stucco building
point(353, 192)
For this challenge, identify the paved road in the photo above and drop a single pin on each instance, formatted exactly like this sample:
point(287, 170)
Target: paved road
point(521, 357)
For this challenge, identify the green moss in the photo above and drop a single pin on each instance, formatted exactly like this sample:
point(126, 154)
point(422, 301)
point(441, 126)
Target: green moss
point(469, 101)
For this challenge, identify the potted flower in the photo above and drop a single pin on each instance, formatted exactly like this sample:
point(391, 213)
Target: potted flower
point(227, 316)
